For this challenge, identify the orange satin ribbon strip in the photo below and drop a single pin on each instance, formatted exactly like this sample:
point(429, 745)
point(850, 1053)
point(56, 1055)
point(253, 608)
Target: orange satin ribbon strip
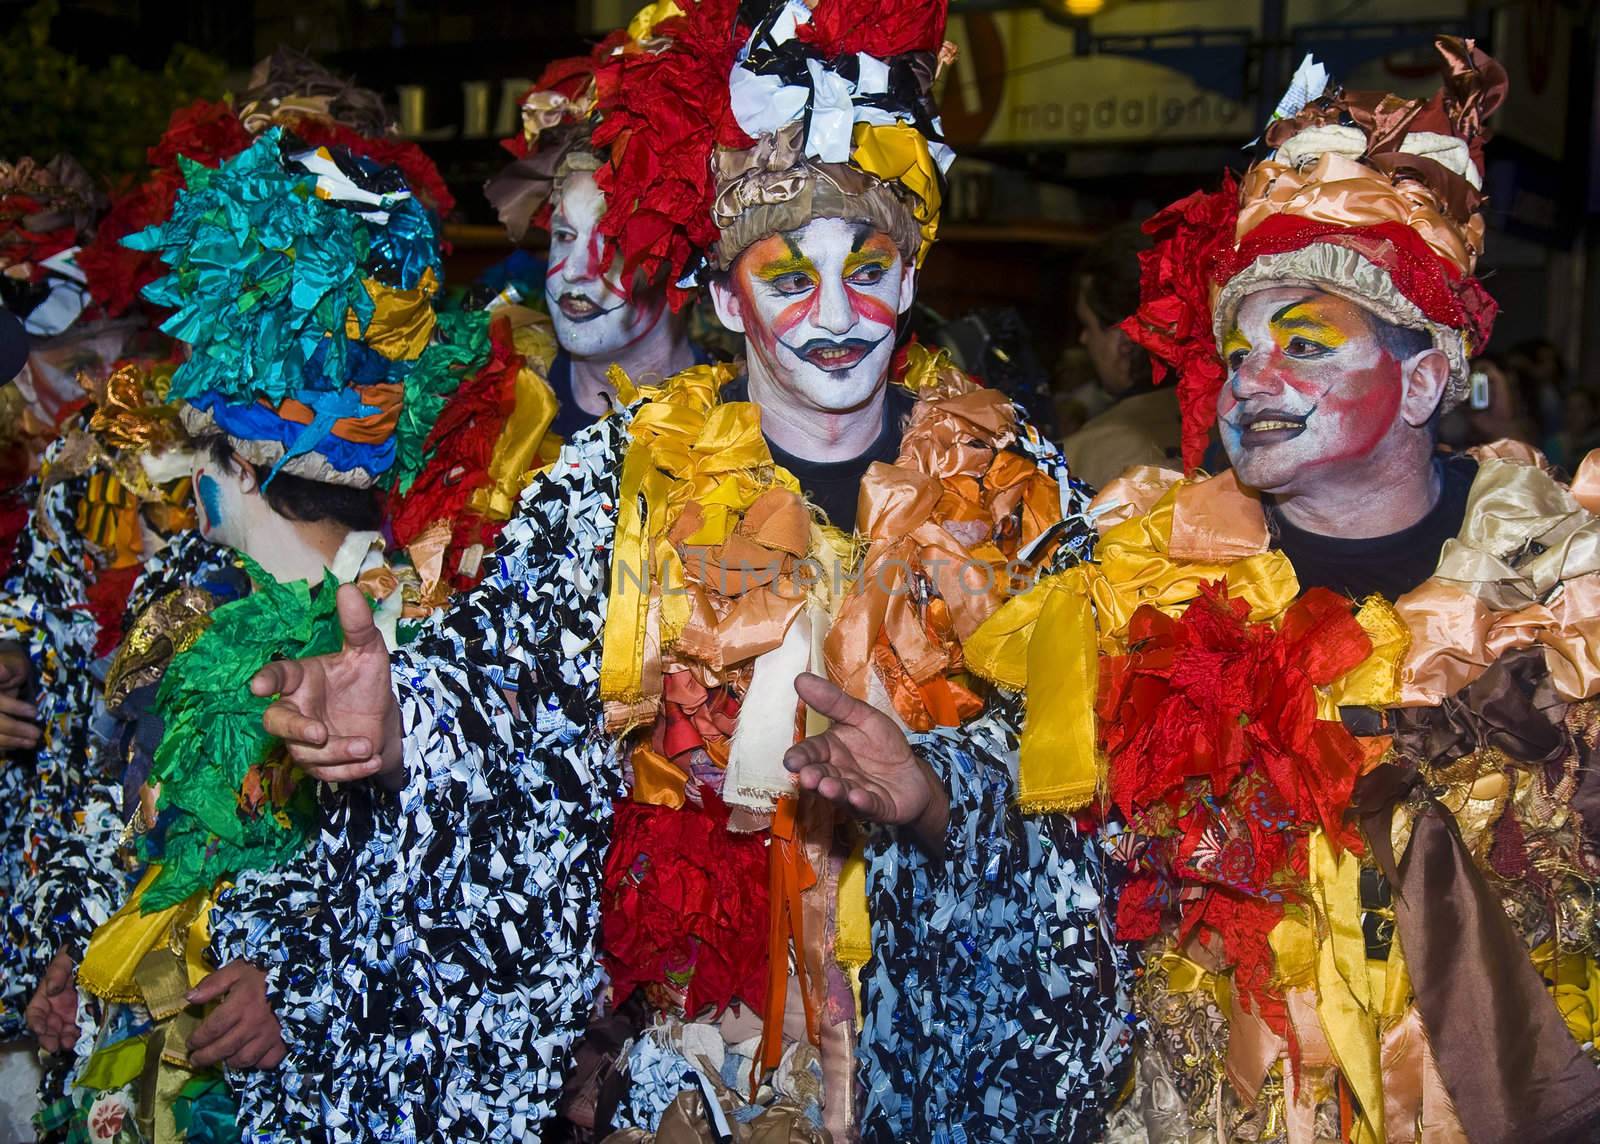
point(791, 875)
point(368, 429)
point(656, 780)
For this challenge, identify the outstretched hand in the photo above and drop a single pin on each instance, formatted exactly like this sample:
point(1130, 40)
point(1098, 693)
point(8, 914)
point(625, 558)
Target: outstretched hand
point(863, 764)
point(337, 713)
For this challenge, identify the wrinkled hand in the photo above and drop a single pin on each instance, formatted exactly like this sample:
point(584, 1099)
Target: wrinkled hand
point(17, 727)
point(337, 713)
point(53, 1012)
point(864, 764)
point(242, 1030)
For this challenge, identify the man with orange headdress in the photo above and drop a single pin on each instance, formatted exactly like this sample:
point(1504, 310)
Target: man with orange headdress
point(600, 758)
point(1345, 687)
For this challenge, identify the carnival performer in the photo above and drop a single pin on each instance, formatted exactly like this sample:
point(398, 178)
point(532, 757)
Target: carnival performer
point(48, 211)
point(111, 530)
point(301, 407)
point(551, 185)
point(583, 761)
point(1346, 686)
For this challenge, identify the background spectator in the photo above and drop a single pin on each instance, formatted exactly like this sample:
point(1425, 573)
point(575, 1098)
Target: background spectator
point(1141, 426)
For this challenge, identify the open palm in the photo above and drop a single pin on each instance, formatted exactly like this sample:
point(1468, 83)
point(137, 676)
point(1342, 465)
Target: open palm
point(863, 763)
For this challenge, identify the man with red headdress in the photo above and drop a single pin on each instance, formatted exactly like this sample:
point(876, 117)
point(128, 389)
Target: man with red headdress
point(553, 184)
point(1346, 686)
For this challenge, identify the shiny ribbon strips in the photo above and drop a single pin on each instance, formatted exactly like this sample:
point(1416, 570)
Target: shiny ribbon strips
point(1525, 571)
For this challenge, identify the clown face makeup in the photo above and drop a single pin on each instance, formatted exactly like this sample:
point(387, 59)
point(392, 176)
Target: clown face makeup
point(818, 307)
point(582, 286)
point(1313, 392)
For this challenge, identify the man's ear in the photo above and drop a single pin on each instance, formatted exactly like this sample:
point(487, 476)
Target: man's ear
point(1427, 376)
point(908, 285)
point(726, 300)
point(245, 471)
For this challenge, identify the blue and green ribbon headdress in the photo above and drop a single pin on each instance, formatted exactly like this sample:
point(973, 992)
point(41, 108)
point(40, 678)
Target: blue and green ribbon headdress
point(303, 281)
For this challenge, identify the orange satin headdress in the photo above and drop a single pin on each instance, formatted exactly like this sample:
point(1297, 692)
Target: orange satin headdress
point(1363, 194)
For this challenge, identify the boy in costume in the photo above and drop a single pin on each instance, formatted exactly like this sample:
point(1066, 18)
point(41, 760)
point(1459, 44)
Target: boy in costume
point(582, 762)
point(300, 407)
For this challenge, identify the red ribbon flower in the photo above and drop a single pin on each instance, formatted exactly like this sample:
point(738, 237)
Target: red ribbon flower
point(684, 906)
point(1218, 760)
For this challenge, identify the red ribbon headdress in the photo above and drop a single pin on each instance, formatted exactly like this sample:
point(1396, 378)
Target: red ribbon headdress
point(696, 165)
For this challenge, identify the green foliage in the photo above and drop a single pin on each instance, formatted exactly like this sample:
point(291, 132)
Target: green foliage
point(104, 118)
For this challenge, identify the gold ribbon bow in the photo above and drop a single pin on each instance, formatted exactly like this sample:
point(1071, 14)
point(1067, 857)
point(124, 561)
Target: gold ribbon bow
point(686, 448)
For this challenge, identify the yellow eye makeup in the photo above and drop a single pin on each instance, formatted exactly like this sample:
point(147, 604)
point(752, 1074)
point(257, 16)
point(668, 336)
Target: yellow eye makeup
point(877, 252)
point(1315, 321)
point(1234, 342)
point(783, 267)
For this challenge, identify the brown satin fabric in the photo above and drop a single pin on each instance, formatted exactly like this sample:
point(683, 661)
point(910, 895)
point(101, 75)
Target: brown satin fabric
point(1338, 189)
point(939, 516)
point(522, 188)
point(1521, 452)
point(1217, 522)
point(1507, 1059)
point(1511, 506)
point(1585, 487)
point(743, 594)
point(1525, 571)
point(1131, 495)
point(1513, 1070)
point(1474, 86)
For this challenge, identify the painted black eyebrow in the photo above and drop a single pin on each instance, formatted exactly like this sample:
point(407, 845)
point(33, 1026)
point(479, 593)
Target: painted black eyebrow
point(863, 231)
point(794, 250)
point(1277, 318)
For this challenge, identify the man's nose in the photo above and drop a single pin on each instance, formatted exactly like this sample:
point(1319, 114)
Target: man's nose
point(583, 262)
point(1254, 377)
point(834, 311)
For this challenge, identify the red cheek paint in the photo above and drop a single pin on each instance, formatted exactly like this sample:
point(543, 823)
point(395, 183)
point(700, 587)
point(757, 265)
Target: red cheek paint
point(754, 328)
point(793, 314)
point(1361, 408)
point(871, 308)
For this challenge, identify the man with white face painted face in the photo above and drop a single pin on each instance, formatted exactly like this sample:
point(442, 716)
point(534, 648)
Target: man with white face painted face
point(1321, 713)
point(603, 313)
point(717, 683)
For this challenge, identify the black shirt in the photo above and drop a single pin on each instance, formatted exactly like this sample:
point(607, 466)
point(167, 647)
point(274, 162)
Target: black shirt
point(570, 416)
point(834, 486)
point(1389, 565)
